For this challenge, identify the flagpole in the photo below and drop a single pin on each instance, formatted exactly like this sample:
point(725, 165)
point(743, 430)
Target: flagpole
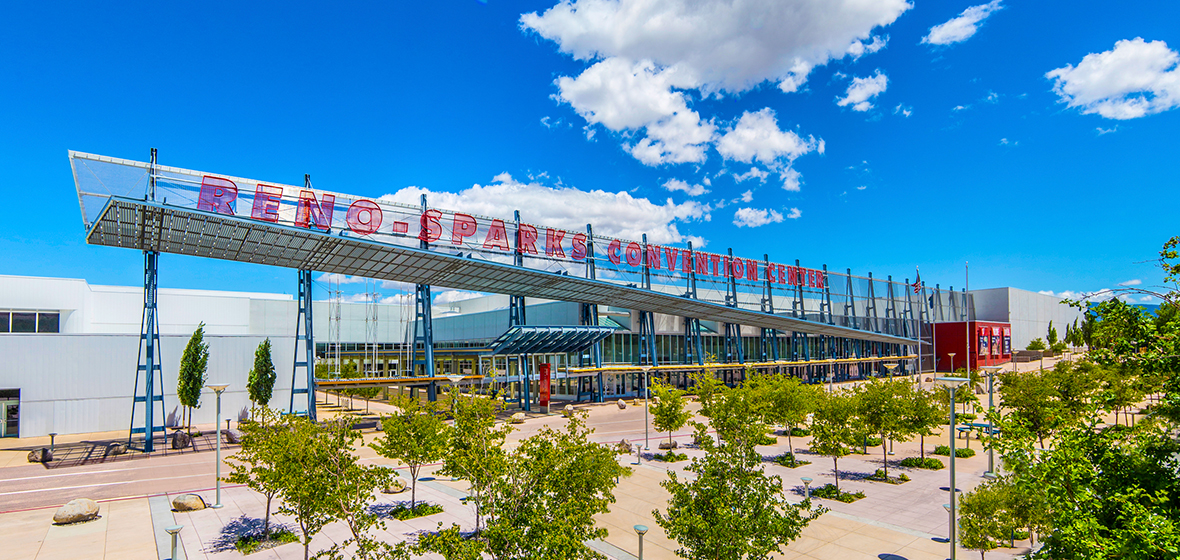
point(967, 313)
point(921, 302)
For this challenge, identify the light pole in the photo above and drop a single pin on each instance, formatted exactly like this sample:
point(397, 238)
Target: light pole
point(807, 486)
point(173, 530)
point(952, 355)
point(952, 384)
point(645, 422)
point(991, 403)
point(890, 367)
point(217, 433)
point(641, 530)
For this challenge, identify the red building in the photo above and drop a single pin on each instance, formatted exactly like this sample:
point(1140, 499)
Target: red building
point(991, 344)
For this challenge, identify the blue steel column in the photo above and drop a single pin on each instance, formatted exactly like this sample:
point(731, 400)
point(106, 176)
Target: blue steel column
point(303, 325)
point(424, 317)
point(769, 336)
point(590, 310)
point(149, 336)
point(692, 325)
point(516, 317)
point(647, 334)
point(733, 332)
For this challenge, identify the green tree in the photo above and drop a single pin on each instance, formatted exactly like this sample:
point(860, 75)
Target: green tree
point(880, 409)
point(476, 449)
point(256, 464)
point(450, 544)
point(1036, 344)
point(1051, 336)
point(194, 364)
point(982, 519)
point(832, 430)
point(415, 435)
point(349, 490)
point(791, 402)
point(1031, 402)
point(669, 413)
point(301, 453)
point(544, 504)
point(261, 382)
point(922, 415)
point(731, 510)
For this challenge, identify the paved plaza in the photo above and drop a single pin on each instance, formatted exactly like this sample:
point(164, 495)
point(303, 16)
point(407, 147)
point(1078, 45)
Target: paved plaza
point(893, 522)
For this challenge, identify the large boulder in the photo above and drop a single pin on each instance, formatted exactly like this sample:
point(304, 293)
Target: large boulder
point(622, 404)
point(40, 455)
point(665, 445)
point(115, 448)
point(516, 418)
point(568, 411)
point(188, 502)
point(76, 511)
point(623, 447)
point(181, 440)
point(232, 436)
point(395, 486)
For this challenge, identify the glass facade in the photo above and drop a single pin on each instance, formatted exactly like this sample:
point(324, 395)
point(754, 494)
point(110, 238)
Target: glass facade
point(30, 321)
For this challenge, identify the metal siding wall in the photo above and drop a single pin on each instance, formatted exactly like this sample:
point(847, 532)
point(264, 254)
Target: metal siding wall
point(83, 383)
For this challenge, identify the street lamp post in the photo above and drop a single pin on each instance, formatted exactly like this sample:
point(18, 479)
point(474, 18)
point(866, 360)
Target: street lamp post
point(991, 403)
point(641, 530)
point(173, 530)
point(890, 367)
point(217, 433)
point(806, 486)
point(952, 384)
point(645, 369)
point(952, 355)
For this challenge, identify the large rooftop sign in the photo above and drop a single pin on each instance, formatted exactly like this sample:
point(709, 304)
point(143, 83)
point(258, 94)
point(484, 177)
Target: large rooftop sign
point(228, 217)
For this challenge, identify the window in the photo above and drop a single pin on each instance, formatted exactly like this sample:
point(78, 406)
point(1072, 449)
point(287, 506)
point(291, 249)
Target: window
point(48, 322)
point(4, 318)
point(24, 322)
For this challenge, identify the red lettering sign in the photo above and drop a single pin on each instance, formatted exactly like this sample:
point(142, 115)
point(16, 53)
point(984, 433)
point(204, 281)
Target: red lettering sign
point(217, 195)
point(612, 251)
point(702, 263)
point(579, 246)
point(266, 203)
point(497, 237)
point(653, 256)
point(526, 239)
point(463, 226)
point(553, 243)
point(715, 260)
point(309, 211)
point(431, 229)
point(364, 217)
point(634, 254)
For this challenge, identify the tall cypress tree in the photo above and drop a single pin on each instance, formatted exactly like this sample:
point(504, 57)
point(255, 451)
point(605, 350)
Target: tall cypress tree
point(191, 379)
point(261, 383)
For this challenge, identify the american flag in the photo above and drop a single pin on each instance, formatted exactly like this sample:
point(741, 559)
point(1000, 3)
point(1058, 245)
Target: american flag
point(917, 281)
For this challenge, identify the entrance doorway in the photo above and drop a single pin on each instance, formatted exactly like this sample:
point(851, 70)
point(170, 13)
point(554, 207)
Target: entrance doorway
point(9, 412)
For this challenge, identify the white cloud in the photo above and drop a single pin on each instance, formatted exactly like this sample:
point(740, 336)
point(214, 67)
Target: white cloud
point(1135, 79)
point(903, 110)
point(678, 185)
point(757, 137)
point(858, 48)
point(794, 214)
point(861, 188)
point(451, 296)
point(1102, 131)
point(748, 196)
point(961, 27)
point(753, 173)
point(861, 90)
point(613, 214)
point(647, 56)
point(1134, 282)
point(992, 97)
point(792, 180)
point(756, 217)
point(1003, 141)
point(960, 107)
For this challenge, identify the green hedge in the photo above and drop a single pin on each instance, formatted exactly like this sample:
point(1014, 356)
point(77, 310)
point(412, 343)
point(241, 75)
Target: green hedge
point(788, 460)
point(919, 463)
point(961, 452)
point(828, 491)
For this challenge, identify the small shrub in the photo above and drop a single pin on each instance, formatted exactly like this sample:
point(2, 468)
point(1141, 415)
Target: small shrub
point(790, 461)
point(766, 439)
point(964, 452)
point(828, 491)
point(879, 476)
point(1020, 535)
point(1036, 344)
point(942, 450)
point(800, 432)
point(965, 417)
point(670, 457)
point(401, 511)
point(249, 544)
point(918, 463)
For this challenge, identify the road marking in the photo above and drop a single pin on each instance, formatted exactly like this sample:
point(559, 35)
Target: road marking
point(100, 484)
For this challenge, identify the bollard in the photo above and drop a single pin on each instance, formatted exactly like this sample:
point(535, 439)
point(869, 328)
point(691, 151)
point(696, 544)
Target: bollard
point(174, 530)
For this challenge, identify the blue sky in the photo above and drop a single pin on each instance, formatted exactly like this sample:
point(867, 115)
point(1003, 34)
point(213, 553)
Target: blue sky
point(896, 135)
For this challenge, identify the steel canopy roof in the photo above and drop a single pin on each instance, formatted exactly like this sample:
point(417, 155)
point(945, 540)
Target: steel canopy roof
point(151, 226)
point(548, 340)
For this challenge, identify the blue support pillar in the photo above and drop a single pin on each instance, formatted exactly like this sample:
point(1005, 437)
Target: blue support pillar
point(647, 323)
point(424, 321)
point(303, 333)
point(590, 312)
point(148, 361)
point(692, 325)
point(516, 316)
point(769, 340)
point(733, 332)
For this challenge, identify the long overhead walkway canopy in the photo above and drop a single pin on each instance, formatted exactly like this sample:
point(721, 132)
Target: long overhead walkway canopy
point(180, 222)
point(548, 340)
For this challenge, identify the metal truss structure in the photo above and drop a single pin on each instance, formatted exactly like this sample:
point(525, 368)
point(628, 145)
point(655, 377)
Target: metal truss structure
point(148, 362)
